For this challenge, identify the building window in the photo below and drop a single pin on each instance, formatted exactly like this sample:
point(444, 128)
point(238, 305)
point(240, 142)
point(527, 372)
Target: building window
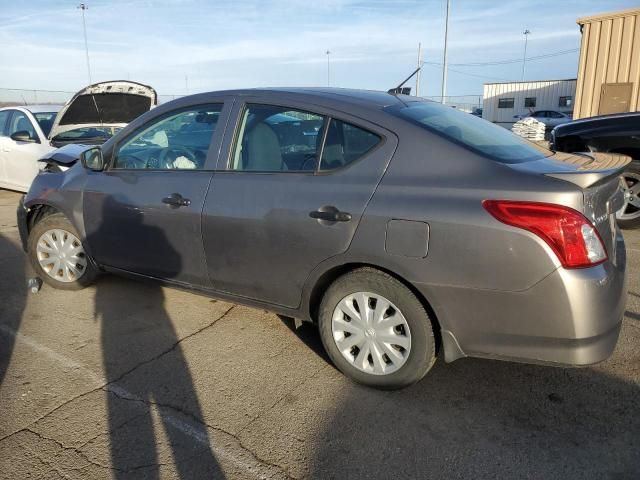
point(530, 102)
point(505, 102)
point(565, 101)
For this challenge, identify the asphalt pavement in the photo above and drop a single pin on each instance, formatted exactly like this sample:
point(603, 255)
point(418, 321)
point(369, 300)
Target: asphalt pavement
point(132, 380)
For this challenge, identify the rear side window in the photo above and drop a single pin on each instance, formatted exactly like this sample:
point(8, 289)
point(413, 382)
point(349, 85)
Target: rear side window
point(4, 116)
point(345, 143)
point(471, 132)
point(278, 139)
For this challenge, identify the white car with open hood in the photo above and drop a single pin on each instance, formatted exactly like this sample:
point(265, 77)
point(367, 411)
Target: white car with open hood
point(91, 117)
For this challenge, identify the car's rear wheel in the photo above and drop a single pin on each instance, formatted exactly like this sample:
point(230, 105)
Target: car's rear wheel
point(58, 256)
point(375, 330)
point(629, 215)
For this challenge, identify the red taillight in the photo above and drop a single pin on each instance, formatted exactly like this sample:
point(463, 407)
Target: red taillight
point(570, 235)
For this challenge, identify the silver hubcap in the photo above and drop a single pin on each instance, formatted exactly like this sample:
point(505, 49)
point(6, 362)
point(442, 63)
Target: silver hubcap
point(631, 190)
point(61, 256)
point(371, 333)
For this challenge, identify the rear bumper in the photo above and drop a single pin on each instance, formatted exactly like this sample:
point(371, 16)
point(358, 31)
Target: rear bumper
point(571, 317)
point(23, 229)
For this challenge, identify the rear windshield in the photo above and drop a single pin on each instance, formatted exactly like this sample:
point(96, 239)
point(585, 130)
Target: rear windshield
point(473, 133)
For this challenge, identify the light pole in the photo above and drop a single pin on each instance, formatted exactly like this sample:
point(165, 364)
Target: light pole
point(526, 34)
point(328, 52)
point(444, 62)
point(419, 65)
point(84, 7)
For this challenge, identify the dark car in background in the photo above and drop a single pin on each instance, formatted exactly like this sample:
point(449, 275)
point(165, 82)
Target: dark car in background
point(616, 133)
point(400, 226)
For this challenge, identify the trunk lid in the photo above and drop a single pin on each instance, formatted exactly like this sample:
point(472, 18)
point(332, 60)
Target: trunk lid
point(113, 103)
point(598, 175)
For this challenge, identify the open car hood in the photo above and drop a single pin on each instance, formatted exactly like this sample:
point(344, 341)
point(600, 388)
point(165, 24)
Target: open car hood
point(105, 103)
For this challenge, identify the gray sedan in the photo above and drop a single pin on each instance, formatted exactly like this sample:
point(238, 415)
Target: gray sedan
point(401, 227)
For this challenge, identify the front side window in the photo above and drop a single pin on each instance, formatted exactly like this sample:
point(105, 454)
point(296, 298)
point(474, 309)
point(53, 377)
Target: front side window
point(20, 123)
point(179, 140)
point(276, 139)
point(345, 143)
point(506, 102)
point(471, 132)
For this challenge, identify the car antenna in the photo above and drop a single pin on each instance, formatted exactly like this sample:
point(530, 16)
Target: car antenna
point(400, 90)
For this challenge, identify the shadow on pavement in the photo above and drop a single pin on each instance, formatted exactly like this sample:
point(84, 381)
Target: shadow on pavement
point(486, 419)
point(12, 299)
point(308, 334)
point(135, 328)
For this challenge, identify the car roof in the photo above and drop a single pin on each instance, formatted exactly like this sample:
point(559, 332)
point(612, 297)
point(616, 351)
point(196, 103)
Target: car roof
point(35, 108)
point(335, 97)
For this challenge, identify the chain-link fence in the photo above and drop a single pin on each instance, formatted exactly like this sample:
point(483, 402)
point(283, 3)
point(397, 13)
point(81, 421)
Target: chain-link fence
point(20, 96)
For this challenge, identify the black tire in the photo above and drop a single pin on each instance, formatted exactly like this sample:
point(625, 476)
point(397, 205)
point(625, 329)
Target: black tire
point(634, 170)
point(58, 221)
point(422, 354)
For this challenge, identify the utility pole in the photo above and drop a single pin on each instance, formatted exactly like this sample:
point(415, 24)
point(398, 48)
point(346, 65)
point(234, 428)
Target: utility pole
point(186, 84)
point(526, 34)
point(419, 71)
point(84, 7)
point(328, 52)
point(444, 62)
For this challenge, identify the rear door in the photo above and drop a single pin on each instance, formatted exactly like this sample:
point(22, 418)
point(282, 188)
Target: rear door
point(143, 213)
point(288, 194)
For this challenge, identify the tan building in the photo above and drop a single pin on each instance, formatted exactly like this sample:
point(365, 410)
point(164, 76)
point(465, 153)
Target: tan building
point(609, 68)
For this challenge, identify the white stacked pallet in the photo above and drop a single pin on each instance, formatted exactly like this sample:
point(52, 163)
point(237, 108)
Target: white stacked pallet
point(529, 128)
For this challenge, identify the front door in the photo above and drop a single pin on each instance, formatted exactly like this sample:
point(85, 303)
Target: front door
point(21, 158)
point(291, 194)
point(143, 213)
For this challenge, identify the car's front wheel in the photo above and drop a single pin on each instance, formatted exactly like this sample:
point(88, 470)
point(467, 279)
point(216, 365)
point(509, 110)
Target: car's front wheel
point(58, 256)
point(375, 330)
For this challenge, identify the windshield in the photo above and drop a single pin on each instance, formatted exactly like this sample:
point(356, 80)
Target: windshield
point(45, 120)
point(85, 133)
point(471, 132)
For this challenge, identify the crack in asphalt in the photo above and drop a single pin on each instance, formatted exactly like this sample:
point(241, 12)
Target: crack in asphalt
point(113, 388)
point(170, 349)
point(67, 448)
point(110, 382)
point(201, 422)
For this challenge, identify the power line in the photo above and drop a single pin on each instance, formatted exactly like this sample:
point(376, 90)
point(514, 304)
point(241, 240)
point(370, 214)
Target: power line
point(438, 65)
point(516, 60)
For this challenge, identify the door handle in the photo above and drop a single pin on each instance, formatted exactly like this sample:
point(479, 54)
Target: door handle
point(331, 214)
point(176, 200)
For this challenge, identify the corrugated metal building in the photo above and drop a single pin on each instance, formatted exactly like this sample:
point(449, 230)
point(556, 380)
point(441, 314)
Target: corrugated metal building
point(609, 68)
point(503, 101)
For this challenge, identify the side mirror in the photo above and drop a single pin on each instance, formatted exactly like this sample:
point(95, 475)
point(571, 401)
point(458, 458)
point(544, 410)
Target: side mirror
point(92, 159)
point(23, 136)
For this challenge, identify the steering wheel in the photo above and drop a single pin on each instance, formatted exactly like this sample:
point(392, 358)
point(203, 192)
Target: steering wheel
point(131, 161)
point(309, 162)
point(170, 154)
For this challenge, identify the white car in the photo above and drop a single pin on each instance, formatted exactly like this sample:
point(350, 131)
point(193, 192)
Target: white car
point(92, 116)
point(550, 118)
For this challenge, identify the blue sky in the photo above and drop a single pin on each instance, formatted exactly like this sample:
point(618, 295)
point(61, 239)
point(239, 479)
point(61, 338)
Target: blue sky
point(251, 43)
